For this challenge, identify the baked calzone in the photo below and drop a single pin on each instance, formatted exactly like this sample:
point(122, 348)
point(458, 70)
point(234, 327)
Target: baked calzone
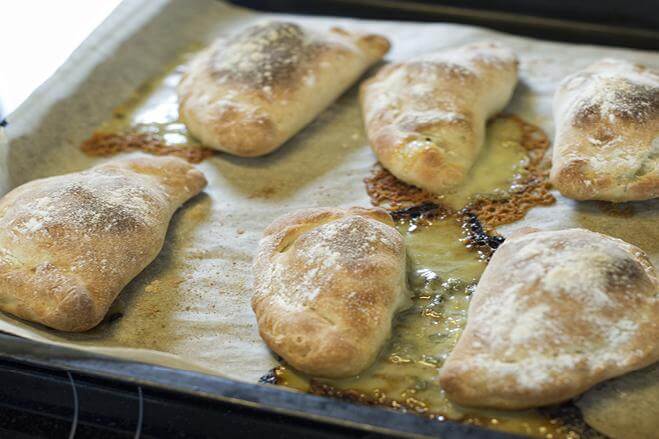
point(425, 118)
point(607, 133)
point(553, 314)
point(328, 282)
point(248, 94)
point(69, 244)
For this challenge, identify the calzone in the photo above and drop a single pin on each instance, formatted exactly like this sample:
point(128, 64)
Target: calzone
point(328, 282)
point(69, 244)
point(425, 118)
point(554, 313)
point(248, 94)
point(607, 133)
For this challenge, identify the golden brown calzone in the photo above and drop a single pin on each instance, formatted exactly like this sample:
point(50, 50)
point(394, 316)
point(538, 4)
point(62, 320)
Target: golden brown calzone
point(69, 244)
point(553, 314)
point(328, 282)
point(248, 94)
point(607, 133)
point(425, 118)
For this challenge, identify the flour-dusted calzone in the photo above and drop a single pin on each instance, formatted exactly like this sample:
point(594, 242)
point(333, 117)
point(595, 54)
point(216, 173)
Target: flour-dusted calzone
point(425, 118)
point(248, 94)
point(607, 133)
point(328, 282)
point(553, 314)
point(69, 244)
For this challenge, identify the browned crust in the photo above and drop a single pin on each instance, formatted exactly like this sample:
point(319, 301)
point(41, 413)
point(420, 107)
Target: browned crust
point(320, 215)
point(375, 45)
point(575, 179)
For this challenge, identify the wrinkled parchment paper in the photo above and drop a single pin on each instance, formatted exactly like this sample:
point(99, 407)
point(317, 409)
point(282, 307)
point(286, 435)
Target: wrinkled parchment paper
point(190, 308)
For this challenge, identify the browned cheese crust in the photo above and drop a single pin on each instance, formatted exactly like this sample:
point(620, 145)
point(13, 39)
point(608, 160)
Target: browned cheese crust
point(248, 94)
point(69, 244)
point(554, 314)
point(425, 118)
point(607, 133)
point(328, 282)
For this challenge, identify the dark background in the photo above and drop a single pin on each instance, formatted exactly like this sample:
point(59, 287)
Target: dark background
point(625, 23)
point(642, 13)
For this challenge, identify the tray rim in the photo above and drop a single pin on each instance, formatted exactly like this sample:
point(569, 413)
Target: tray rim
point(263, 397)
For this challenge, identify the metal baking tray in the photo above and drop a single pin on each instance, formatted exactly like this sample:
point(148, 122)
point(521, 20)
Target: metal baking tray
point(235, 408)
point(78, 391)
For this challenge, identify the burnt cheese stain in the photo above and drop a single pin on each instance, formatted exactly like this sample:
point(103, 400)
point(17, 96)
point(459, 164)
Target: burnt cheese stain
point(135, 139)
point(477, 237)
point(414, 212)
point(270, 377)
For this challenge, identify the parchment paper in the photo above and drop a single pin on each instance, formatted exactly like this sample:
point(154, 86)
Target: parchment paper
point(190, 308)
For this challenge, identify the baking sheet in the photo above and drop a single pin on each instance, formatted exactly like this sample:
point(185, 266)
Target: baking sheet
point(190, 308)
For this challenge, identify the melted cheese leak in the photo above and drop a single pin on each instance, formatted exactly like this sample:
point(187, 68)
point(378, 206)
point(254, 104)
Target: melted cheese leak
point(442, 276)
point(153, 108)
point(509, 178)
point(501, 158)
point(148, 121)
